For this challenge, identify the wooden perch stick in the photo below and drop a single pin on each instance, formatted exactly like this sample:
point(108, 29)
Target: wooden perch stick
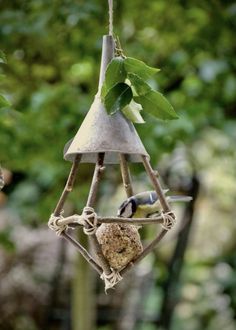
point(145, 252)
point(73, 220)
point(125, 173)
point(133, 221)
point(152, 175)
point(90, 203)
point(83, 251)
point(166, 208)
point(59, 207)
point(68, 186)
point(163, 201)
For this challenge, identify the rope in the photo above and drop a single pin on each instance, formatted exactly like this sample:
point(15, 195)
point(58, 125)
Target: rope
point(110, 5)
point(90, 219)
point(111, 279)
point(53, 224)
point(168, 220)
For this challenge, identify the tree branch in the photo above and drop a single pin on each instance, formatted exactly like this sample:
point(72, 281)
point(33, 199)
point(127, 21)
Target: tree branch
point(83, 251)
point(99, 168)
point(68, 186)
point(126, 177)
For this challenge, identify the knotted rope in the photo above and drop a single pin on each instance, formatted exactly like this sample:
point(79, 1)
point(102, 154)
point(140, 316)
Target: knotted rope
point(111, 279)
point(54, 225)
point(168, 220)
point(89, 219)
point(110, 4)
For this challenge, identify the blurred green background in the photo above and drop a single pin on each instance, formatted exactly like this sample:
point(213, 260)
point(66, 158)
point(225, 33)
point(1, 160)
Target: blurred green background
point(53, 51)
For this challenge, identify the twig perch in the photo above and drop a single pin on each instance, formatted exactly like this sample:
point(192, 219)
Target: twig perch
point(59, 207)
point(83, 252)
point(102, 267)
point(68, 186)
point(145, 252)
point(166, 208)
point(75, 220)
point(153, 177)
point(125, 173)
point(90, 203)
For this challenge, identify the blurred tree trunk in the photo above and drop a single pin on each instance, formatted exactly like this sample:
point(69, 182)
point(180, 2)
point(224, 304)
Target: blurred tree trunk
point(83, 293)
point(171, 296)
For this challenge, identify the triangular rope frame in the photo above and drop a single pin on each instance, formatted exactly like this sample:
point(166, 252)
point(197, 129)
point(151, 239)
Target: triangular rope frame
point(89, 220)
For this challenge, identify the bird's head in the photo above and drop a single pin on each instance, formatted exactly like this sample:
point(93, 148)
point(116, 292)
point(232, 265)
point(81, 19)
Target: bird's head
point(127, 208)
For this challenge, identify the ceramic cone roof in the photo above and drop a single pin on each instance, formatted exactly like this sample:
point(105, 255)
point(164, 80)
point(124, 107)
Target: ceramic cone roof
point(100, 132)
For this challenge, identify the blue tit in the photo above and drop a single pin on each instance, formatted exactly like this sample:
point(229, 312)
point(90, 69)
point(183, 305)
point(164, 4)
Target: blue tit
point(145, 204)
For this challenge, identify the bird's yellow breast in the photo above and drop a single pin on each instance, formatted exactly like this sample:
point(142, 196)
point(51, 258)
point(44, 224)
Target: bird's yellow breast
point(144, 210)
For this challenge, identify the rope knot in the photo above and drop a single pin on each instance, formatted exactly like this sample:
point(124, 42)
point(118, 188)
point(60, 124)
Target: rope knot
point(53, 223)
point(111, 279)
point(169, 220)
point(90, 220)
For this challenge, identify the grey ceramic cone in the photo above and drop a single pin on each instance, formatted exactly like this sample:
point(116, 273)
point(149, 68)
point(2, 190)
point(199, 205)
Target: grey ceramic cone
point(100, 132)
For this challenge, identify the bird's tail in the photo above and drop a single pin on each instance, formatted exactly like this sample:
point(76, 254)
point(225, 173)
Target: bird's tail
point(179, 198)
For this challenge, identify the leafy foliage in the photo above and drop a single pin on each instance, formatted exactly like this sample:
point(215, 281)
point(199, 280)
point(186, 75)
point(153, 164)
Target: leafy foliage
point(115, 73)
point(157, 105)
point(136, 73)
point(145, 72)
point(118, 97)
point(132, 112)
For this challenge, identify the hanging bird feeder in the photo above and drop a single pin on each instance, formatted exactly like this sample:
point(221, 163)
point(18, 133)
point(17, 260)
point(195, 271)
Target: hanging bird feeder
point(109, 139)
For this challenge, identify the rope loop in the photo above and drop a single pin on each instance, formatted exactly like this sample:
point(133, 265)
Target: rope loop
point(110, 5)
point(169, 220)
point(53, 223)
point(111, 279)
point(90, 220)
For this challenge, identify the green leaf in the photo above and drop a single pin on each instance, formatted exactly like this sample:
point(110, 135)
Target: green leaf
point(140, 68)
point(140, 86)
point(157, 105)
point(118, 97)
point(3, 58)
point(4, 102)
point(115, 73)
point(132, 112)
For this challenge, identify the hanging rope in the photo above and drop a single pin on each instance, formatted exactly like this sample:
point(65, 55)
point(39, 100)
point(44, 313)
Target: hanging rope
point(168, 220)
point(110, 5)
point(111, 279)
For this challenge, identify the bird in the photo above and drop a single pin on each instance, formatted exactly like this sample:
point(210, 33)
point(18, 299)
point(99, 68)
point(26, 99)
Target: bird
point(146, 204)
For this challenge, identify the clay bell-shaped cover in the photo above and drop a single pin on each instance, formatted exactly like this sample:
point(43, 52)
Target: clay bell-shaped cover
point(103, 133)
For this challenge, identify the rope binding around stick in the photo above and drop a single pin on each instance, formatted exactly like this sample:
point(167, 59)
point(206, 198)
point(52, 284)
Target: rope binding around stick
point(169, 220)
point(54, 225)
point(111, 279)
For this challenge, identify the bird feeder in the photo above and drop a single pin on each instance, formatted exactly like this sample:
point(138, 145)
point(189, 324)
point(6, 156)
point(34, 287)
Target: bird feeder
point(109, 139)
